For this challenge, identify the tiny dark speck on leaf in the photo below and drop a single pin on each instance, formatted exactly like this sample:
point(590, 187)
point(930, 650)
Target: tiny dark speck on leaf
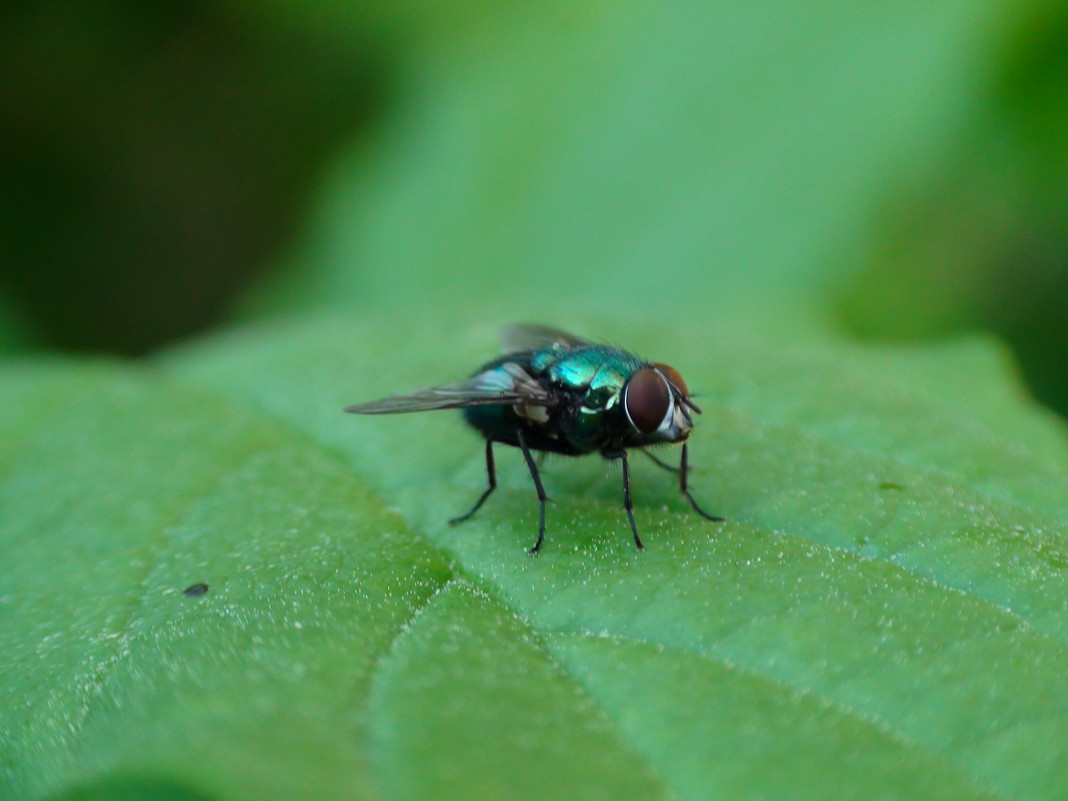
point(890, 485)
point(195, 590)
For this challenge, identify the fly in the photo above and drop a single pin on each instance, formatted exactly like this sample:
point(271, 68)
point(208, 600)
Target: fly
point(558, 393)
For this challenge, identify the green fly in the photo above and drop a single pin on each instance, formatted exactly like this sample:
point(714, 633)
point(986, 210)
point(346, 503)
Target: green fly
point(558, 393)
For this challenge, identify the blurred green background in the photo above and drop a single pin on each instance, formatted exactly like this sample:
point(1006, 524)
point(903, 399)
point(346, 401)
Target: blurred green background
point(893, 172)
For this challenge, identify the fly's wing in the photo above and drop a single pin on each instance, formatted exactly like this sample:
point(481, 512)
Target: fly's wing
point(518, 338)
point(506, 385)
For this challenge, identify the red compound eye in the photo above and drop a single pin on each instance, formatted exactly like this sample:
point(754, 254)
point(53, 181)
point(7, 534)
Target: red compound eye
point(673, 377)
point(647, 399)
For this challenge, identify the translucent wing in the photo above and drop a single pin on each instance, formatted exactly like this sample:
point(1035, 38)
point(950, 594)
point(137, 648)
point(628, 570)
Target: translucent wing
point(506, 385)
point(517, 338)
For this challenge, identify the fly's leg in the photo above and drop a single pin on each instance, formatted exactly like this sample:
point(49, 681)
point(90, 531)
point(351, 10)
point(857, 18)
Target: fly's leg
point(683, 470)
point(537, 485)
point(628, 504)
point(491, 473)
point(660, 462)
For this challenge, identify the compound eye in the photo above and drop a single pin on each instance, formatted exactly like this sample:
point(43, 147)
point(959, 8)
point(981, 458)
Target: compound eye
point(673, 377)
point(647, 400)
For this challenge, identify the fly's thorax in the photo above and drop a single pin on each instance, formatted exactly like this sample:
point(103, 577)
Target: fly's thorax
point(542, 360)
point(595, 374)
point(587, 382)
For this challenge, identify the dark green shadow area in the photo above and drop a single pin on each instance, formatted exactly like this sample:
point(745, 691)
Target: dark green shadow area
point(156, 156)
point(131, 788)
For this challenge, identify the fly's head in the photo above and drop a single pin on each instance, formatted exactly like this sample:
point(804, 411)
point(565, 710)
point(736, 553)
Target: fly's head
point(657, 405)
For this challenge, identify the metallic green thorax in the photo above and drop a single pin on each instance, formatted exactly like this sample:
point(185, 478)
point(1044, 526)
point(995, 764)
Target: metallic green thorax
point(596, 373)
point(590, 380)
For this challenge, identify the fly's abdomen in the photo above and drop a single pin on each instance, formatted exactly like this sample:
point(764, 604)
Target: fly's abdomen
point(493, 422)
point(499, 421)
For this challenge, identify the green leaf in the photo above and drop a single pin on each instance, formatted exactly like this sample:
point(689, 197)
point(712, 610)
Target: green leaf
point(883, 613)
point(471, 705)
point(894, 551)
point(121, 489)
